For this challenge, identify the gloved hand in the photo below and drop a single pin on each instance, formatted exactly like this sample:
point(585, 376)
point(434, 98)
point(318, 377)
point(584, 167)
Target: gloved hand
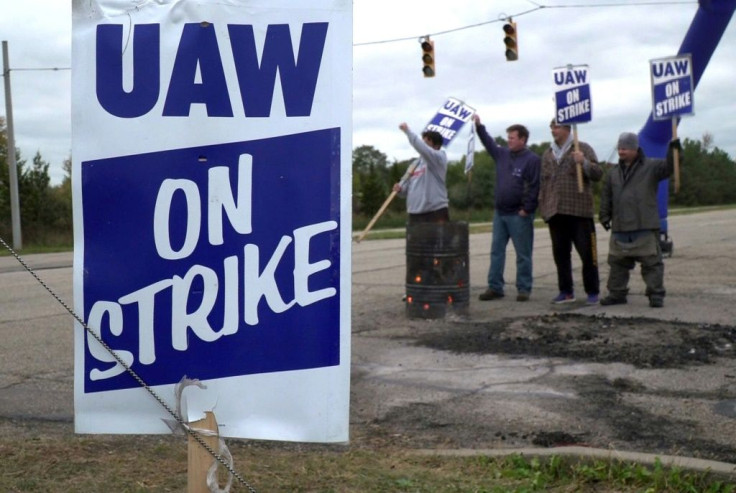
point(606, 225)
point(675, 144)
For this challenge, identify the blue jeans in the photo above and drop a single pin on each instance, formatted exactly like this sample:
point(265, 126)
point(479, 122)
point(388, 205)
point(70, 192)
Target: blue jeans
point(521, 232)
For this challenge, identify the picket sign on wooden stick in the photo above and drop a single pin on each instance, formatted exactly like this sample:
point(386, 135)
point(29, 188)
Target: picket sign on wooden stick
point(578, 166)
point(386, 203)
point(200, 460)
point(676, 155)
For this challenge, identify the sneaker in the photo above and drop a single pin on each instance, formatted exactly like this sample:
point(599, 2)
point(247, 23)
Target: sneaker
point(592, 299)
point(610, 300)
point(656, 302)
point(522, 297)
point(490, 294)
point(563, 298)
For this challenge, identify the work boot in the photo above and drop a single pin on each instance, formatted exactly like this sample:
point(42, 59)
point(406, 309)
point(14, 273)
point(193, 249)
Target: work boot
point(656, 302)
point(489, 295)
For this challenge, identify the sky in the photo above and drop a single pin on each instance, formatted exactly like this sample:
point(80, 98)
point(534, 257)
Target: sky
point(615, 39)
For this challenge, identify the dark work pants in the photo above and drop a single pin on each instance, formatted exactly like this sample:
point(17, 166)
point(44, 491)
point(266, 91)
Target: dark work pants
point(565, 232)
point(652, 271)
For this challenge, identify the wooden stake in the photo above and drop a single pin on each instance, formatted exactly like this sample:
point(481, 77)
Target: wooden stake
point(578, 166)
point(377, 215)
point(386, 202)
point(199, 460)
point(676, 155)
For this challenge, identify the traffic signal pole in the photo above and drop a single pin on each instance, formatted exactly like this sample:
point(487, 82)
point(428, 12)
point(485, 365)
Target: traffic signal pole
point(12, 167)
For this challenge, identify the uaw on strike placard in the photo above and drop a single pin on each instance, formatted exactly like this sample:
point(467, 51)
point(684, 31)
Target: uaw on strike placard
point(212, 230)
point(672, 87)
point(449, 119)
point(573, 102)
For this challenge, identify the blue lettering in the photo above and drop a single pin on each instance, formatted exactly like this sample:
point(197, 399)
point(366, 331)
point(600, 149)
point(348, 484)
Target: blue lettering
point(678, 67)
point(681, 66)
point(198, 48)
point(298, 80)
point(571, 77)
point(109, 66)
point(451, 108)
point(199, 51)
point(657, 69)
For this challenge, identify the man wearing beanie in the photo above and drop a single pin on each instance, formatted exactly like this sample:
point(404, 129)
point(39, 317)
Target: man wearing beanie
point(629, 209)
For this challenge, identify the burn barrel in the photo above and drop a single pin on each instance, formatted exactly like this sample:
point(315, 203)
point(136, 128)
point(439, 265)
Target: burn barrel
point(437, 269)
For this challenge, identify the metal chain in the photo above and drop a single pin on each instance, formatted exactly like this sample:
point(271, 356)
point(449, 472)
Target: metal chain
point(194, 434)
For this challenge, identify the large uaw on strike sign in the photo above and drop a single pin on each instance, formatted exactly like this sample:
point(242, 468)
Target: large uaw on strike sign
point(212, 239)
point(672, 87)
point(572, 95)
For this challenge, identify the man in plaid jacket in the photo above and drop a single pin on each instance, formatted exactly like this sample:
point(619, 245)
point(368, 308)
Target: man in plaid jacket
point(568, 212)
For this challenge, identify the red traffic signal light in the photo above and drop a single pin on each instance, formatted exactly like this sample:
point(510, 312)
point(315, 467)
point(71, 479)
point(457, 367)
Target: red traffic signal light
point(511, 42)
point(427, 57)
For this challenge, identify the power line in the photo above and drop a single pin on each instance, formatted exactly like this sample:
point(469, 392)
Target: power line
point(38, 69)
point(471, 26)
point(502, 18)
point(430, 34)
point(538, 7)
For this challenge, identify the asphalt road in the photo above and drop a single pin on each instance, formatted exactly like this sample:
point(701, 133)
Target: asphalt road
point(700, 277)
point(36, 332)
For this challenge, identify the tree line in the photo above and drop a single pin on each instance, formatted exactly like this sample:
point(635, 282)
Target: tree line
point(45, 209)
point(708, 177)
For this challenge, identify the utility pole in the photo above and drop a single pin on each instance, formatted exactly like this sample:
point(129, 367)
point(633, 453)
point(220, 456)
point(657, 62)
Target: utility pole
point(12, 167)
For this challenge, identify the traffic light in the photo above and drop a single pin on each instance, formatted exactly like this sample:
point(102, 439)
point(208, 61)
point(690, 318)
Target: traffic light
point(427, 57)
point(512, 45)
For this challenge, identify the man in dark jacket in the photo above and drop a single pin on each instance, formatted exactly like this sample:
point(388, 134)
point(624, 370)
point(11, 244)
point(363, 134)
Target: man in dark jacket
point(629, 209)
point(517, 188)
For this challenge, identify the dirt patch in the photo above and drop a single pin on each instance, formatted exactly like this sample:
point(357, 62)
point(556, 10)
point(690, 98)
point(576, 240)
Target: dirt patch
point(646, 411)
point(644, 343)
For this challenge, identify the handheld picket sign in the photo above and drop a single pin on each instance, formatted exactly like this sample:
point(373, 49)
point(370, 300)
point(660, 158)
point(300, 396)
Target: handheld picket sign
point(449, 119)
point(573, 103)
point(672, 95)
point(470, 151)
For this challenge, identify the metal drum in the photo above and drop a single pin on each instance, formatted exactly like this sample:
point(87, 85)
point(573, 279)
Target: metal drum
point(437, 269)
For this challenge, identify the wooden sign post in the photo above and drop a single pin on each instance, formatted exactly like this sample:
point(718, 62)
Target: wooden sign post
point(578, 166)
point(676, 156)
point(386, 202)
point(200, 460)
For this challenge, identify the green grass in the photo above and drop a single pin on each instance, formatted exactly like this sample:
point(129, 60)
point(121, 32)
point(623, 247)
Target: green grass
point(159, 463)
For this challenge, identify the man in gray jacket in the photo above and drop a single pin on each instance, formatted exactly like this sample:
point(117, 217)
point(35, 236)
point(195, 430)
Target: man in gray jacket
point(629, 209)
point(424, 188)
